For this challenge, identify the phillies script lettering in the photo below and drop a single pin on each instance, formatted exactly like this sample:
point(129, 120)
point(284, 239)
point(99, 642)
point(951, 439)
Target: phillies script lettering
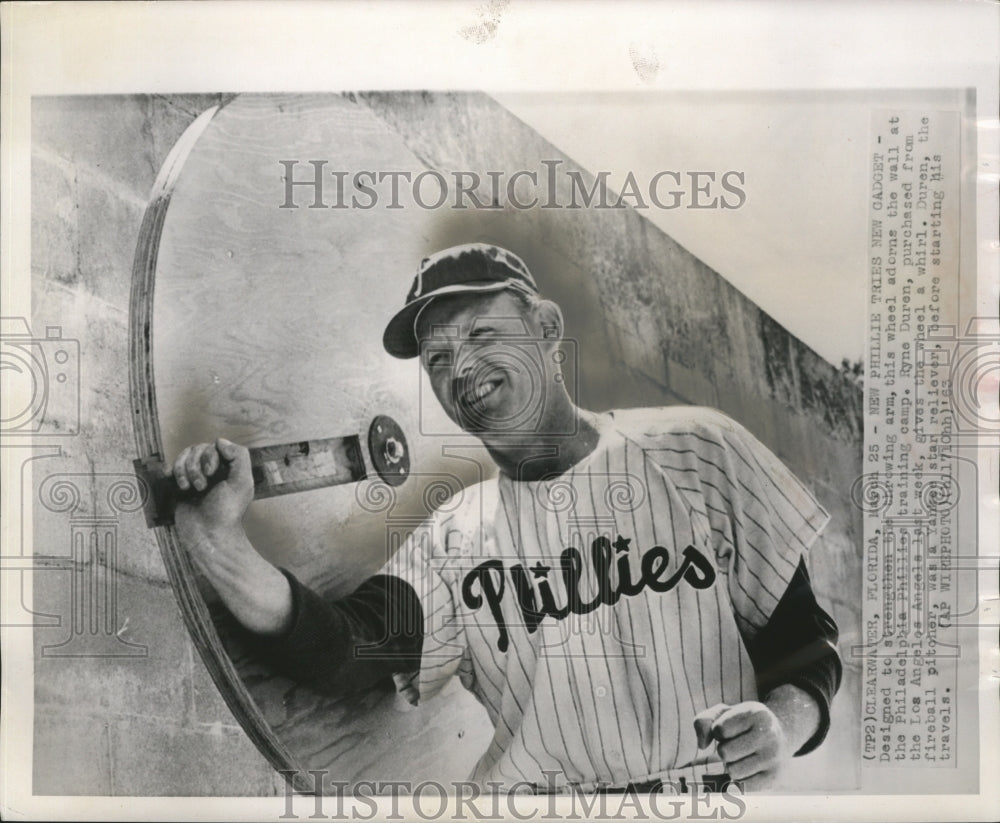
point(537, 601)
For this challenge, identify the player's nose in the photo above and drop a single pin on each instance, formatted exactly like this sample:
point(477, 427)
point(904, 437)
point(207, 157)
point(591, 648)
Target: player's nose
point(461, 383)
point(466, 362)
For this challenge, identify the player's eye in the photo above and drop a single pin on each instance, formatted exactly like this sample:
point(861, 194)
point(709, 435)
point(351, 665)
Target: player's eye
point(438, 360)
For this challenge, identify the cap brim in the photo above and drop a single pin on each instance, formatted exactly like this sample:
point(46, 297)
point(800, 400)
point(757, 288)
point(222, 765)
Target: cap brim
point(400, 339)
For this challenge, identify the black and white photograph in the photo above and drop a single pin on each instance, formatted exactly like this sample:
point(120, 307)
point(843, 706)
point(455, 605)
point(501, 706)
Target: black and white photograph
point(384, 438)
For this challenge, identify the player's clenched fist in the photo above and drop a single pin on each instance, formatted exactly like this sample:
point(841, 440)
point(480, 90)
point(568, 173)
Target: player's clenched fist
point(750, 740)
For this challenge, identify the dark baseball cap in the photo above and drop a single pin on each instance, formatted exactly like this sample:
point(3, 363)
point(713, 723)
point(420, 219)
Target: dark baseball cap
point(473, 267)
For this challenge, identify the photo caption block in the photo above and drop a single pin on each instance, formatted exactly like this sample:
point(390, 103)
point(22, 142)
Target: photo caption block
point(910, 488)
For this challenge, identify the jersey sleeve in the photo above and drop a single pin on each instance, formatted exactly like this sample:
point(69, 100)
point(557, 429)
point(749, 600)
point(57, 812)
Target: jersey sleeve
point(762, 518)
point(422, 563)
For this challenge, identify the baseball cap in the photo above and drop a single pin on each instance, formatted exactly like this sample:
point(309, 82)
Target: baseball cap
point(472, 267)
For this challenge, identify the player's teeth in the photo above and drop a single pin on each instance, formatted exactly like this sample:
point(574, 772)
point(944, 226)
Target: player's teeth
point(482, 391)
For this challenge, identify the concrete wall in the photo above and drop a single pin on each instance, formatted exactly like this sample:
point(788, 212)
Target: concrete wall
point(655, 326)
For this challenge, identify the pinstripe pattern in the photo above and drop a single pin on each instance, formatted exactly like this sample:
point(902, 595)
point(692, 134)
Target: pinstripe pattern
point(605, 691)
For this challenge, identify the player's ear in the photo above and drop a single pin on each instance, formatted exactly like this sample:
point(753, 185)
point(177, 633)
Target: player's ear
point(550, 320)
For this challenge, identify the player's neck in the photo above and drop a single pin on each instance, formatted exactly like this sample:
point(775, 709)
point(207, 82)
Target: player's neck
point(561, 441)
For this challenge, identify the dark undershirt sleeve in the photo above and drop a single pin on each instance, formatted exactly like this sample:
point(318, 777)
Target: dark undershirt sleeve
point(350, 643)
point(798, 646)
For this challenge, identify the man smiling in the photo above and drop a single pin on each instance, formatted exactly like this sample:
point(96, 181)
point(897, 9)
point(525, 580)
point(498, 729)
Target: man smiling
point(628, 598)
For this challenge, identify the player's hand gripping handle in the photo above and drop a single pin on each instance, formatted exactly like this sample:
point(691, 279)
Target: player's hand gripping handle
point(216, 485)
point(215, 482)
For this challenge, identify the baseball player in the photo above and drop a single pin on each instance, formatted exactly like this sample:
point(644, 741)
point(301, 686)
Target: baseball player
point(628, 598)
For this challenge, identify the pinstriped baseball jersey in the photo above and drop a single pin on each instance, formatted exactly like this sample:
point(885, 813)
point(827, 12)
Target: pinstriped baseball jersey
point(594, 614)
